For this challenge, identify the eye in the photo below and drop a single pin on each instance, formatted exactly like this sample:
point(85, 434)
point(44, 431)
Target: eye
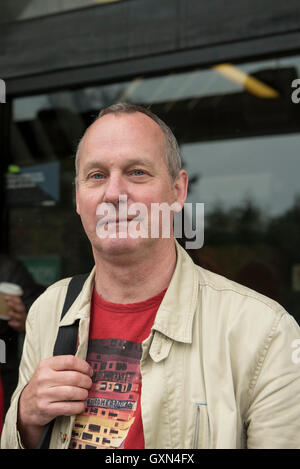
point(138, 172)
point(97, 176)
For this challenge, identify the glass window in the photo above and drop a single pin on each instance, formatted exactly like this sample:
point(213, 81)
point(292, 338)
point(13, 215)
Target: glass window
point(238, 129)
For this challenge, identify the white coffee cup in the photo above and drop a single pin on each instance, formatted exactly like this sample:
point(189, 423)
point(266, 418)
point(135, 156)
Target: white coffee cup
point(11, 289)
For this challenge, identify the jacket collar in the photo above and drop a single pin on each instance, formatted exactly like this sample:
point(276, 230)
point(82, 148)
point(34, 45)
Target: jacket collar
point(175, 315)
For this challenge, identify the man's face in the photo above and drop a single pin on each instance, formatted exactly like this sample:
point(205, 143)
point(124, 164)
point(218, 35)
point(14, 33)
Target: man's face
point(123, 155)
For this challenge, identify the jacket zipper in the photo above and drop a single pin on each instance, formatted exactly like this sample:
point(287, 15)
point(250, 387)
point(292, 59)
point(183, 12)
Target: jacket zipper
point(199, 406)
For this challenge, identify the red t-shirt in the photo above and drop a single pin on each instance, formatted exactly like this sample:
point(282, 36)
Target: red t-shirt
point(112, 418)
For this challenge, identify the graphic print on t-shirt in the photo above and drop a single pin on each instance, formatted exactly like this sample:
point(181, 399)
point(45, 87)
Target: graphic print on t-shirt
point(113, 397)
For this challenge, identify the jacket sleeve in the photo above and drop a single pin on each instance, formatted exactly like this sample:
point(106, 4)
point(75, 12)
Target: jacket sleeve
point(10, 438)
point(273, 417)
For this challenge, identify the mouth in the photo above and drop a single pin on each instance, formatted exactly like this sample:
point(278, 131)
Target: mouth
point(118, 220)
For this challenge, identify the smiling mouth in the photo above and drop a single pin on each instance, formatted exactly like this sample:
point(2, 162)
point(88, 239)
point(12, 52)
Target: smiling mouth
point(119, 221)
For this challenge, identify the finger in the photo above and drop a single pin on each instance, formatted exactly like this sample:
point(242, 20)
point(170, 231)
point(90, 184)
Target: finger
point(19, 309)
point(15, 314)
point(14, 299)
point(72, 378)
point(17, 319)
point(14, 317)
point(17, 306)
point(70, 363)
point(14, 324)
point(67, 393)
point(67, 408)
point(51, 410)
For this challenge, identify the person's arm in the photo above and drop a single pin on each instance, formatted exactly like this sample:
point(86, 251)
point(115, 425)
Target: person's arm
point(45, 390)
point(59, 386)
point(273, 418)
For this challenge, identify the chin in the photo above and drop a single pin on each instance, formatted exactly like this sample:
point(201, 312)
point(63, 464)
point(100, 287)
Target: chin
point(119, 246)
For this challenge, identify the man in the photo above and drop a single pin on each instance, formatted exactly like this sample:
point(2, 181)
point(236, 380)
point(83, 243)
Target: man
point(169, 355)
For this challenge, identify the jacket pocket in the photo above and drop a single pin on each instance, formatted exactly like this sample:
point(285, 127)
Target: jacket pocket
point(201, 429)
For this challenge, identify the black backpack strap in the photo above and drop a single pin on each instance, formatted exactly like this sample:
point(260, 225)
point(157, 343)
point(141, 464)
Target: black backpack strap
point(66, 341)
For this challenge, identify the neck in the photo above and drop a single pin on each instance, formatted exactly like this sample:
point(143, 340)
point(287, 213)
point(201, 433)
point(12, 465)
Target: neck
point(139, 277)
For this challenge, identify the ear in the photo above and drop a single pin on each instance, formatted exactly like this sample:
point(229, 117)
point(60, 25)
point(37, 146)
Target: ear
point(77, 198)
point(180, 186)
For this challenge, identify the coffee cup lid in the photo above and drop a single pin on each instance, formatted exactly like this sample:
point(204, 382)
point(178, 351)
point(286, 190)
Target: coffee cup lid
point(11, 289)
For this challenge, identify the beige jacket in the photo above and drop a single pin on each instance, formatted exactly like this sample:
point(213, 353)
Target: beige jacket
point(219, 369)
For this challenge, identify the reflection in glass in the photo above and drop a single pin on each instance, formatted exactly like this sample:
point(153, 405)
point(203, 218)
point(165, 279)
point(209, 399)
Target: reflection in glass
point(240, 150)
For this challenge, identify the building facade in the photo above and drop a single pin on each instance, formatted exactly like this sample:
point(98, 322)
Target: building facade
point(224, 76)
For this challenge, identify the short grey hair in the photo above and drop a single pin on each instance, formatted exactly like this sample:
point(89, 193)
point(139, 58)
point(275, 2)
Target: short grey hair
point(172, 155)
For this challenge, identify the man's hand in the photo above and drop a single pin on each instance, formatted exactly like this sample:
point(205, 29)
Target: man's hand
point(59, 386)
point(17, 313)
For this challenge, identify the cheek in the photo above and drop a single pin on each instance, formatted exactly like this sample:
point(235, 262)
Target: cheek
point(165, 194)
point(158, 196)
point(87, 204)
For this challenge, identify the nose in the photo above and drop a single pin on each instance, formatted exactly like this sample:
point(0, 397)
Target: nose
point(114, 187)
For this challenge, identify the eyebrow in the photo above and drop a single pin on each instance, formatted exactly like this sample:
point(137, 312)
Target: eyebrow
point(131, 162)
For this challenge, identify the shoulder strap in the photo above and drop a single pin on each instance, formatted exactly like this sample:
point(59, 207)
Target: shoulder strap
point(66, 341)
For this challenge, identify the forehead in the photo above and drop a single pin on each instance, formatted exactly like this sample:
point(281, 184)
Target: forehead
point(114, 134)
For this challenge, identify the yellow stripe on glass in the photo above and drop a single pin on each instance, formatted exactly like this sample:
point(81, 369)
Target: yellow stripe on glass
point(251, 84)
